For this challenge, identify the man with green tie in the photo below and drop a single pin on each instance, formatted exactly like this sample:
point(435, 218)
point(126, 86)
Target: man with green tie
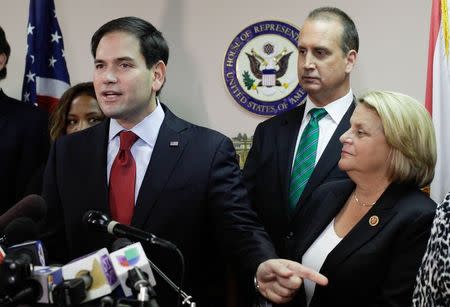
point(295, 152)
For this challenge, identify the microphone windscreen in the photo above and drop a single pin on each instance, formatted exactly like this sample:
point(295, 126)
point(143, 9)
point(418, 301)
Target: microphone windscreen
point(120, 243)
point(32, 206)
point(20, 230)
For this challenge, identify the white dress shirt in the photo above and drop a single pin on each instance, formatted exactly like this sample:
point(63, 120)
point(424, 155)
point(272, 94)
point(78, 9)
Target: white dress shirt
point(316, 254)
point(327, 125)
point(147, 131)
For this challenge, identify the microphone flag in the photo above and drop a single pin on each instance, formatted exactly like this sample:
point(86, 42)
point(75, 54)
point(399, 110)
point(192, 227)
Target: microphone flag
point(48, 278)
point(98, 266)
point(33, 250)
point(126, 259)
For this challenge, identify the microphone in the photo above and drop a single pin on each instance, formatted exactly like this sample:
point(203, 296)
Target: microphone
point(29, 293)
point(107, 301)
point(99, 221)
point(32, 206)
point(70, 292)
point(120, 243)
point(31, 252)
point(127, 258)
point(140, 283)
point(16, 282)
point(36, 286)
point(19, 230)
point(97, 272)
point(14, 275)
point(48, 278)
point(186, 299)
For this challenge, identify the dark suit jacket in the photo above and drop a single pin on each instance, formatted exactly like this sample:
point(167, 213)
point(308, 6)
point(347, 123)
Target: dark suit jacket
point(267, 172)
point(372, 265)
point(191, 195)
point(24, 145)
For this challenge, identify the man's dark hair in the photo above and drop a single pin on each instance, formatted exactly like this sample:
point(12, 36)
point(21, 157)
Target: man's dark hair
point(350, 38)
point(152, 43)
point(4, 48)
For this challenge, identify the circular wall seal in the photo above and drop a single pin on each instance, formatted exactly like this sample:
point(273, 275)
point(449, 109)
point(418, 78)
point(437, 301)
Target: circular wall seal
point(260, 68)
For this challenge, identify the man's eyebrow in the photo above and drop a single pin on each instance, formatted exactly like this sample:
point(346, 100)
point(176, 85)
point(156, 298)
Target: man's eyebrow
point(121, 59)
point(125, 58)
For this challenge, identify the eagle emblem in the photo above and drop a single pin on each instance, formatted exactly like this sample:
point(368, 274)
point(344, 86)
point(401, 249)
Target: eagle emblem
point(267, 69)
point(260, 68)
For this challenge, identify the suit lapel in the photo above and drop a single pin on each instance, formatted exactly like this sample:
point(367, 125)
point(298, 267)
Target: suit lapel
point(97, 161)
point(329, 159)
point(321, 212)
point(168, 150)
point(285, 144)
point(363, 231)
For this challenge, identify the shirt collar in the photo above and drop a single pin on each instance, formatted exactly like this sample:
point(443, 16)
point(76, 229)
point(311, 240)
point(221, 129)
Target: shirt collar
point(336, 109)
point(147, 130)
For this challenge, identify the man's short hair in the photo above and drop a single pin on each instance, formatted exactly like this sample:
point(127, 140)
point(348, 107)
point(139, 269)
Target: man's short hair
point(350, 38)
point(153, 46)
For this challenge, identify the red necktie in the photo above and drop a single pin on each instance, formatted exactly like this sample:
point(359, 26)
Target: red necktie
point(122, 180)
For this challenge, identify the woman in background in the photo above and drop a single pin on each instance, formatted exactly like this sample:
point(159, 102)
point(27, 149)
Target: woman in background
point(368, 234)
point(77, 110)
point(433, 280)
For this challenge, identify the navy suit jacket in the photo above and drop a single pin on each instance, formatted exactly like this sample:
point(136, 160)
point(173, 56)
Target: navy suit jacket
point(24, 145)
point(191, 195)
point(372, 265)
point(267, 172)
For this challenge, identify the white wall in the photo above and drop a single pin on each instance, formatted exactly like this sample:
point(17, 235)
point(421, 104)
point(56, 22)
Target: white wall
point(393, 46)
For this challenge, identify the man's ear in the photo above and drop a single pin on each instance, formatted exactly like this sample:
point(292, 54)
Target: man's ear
point(351, 60)
point(159, 75)
point(3, 59)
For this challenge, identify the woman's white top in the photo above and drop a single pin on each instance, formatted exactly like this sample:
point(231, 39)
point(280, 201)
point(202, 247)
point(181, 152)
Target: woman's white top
point(316, 254)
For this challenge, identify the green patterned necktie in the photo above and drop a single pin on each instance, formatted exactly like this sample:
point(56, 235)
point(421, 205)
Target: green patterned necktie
point(305, 157)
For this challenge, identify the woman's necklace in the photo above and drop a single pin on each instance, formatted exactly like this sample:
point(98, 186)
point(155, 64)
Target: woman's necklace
point(362, 204)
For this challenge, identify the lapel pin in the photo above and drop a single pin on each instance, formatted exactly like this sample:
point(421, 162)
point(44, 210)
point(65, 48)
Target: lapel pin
point(173, 144)
point(374, 220)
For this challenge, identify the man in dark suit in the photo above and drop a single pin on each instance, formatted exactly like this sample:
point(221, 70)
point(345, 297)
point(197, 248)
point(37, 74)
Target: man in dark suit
point(24, 140)
point(185, 181)
point(328, 46)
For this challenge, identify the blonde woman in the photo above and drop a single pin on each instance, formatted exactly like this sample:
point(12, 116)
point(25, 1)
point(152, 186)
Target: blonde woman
point(367, 234)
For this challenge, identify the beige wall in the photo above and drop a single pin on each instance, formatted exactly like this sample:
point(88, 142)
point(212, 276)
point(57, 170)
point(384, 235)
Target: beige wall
point(393, 46)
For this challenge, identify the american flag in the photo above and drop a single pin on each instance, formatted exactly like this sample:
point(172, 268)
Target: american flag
point(46, 77)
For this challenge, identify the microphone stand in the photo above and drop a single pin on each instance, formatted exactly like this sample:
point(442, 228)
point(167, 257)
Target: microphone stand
point(186, 298)
point(100, 221)
point(146, 295)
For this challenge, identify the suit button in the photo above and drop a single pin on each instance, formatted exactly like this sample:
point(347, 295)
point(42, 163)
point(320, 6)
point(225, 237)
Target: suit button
point(290, 235)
